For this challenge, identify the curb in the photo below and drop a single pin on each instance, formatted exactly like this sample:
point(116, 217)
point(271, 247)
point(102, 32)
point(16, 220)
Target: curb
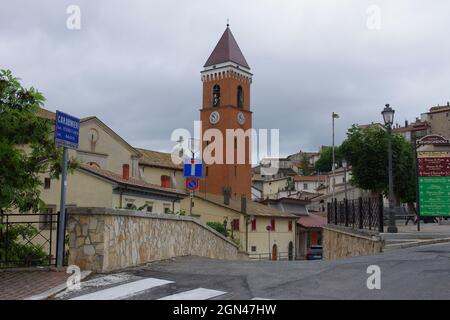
point(51, 292)
point(415, 244)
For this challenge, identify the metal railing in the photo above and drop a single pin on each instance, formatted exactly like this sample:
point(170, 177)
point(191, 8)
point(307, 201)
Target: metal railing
point(361, 213)
point(269, 256)
point(28, 239)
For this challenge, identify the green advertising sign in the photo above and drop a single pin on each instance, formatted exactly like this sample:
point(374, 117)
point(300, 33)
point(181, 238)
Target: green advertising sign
point(434, 196)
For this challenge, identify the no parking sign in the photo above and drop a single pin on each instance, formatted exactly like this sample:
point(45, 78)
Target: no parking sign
point(192, 183)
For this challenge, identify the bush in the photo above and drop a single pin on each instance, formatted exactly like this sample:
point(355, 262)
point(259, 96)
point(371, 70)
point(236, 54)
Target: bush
point(20, 253)
point(218, 227)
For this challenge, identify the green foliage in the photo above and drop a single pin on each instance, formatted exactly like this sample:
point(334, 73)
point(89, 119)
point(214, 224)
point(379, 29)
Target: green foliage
point(306, 167)
point(27, 148)
point(18, 249)
point(366, 150)
point(326, 159)
point(181, 213)
point(219, 227)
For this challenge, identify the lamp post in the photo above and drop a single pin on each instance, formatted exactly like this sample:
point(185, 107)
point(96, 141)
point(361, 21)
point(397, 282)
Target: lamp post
point(344, 165)
point(333, 116)
point(388, 117)
point(268, 228)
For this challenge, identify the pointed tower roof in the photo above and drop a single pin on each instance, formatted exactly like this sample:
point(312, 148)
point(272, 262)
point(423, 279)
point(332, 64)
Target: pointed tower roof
point(226, 50)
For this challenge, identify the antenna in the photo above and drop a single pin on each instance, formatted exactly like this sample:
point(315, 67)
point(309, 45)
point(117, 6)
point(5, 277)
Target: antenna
point(228, 22)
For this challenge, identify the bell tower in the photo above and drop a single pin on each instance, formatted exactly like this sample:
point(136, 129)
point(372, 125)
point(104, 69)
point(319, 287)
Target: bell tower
point(226, 81)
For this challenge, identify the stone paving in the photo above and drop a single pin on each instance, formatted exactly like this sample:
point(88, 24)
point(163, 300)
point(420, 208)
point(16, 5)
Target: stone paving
point(19, 285)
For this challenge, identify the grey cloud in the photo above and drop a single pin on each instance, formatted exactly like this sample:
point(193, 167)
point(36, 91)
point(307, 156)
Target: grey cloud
point(136, 64)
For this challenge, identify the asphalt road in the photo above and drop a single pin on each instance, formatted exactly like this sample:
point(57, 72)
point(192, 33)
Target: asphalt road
point(415, 273)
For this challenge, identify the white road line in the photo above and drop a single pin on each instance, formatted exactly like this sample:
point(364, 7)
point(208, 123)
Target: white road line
point(257, 298)
point(125, 290)
point(196, 294)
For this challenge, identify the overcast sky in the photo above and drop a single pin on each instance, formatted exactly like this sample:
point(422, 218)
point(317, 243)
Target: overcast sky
point(136, 64)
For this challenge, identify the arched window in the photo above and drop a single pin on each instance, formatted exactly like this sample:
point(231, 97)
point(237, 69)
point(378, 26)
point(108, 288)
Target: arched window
point(216, 96)
point(240, 97)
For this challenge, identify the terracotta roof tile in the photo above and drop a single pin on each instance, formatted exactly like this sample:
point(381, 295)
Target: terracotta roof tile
point(131, 181)
point(253, 208)
point(158, 159)
point(310, 178)
point(312, 221)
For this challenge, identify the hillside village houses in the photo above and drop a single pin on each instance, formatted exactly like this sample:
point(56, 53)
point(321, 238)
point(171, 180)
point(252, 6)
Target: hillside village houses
point(268, 215)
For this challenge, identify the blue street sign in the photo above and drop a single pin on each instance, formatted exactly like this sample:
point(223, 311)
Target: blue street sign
point(193, 168)
point(66, 130)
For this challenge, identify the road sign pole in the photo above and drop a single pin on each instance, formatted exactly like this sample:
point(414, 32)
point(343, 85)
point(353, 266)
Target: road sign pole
point(191, 196)
point(416, 163)
point(62, 212)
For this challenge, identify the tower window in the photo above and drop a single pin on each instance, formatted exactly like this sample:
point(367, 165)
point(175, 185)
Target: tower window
point(216, 96)
point(240, 97)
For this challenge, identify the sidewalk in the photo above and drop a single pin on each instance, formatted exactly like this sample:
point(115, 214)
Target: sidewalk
point(22, 284)
point(408, 236)
point(424, 227)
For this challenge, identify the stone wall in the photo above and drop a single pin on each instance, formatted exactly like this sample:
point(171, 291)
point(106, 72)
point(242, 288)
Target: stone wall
point(103, 240)
point(340, 242)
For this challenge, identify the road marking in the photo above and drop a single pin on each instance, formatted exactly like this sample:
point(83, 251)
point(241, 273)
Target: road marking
point(257, 298)
point(125, 290)
point(196, 294)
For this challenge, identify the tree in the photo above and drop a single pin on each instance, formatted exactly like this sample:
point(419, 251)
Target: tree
point(366, 151)
point(326, 159)
point(27, 148)
point(306, 167)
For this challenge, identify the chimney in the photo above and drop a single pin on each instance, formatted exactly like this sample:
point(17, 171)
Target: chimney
point(126, 171)
point(226, 195)
point(243, 204)
point(406, 123)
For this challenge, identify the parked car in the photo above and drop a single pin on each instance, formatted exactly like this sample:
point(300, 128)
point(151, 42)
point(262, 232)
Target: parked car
point(315, 253)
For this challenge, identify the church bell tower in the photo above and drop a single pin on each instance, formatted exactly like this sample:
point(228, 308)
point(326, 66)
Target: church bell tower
point(226, 81)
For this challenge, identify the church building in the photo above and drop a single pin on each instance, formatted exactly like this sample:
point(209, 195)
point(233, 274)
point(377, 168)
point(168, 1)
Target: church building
point(225, 189)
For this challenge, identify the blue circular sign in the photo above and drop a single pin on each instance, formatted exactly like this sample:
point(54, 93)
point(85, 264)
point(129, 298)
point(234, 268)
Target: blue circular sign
point(192, 184)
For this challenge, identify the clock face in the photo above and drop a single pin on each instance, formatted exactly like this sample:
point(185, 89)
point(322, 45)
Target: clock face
point(241, 118)
point(214, 117)
point(93, 135)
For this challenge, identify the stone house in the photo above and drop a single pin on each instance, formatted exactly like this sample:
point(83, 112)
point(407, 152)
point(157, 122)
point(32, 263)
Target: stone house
point(113, 174)
point(438, 119)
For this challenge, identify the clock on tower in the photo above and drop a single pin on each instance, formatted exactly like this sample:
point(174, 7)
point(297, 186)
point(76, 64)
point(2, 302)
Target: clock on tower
point(226, 81)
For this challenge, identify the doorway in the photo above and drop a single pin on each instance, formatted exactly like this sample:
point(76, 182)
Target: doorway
point(274, 253)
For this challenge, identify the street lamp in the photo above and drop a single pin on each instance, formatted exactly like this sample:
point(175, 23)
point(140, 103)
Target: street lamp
point(333, 116)
point(388, 117)
point(344, 165)
point(268, 228)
